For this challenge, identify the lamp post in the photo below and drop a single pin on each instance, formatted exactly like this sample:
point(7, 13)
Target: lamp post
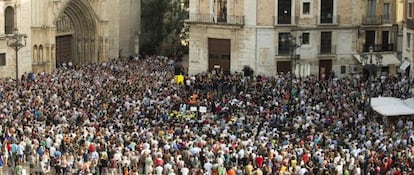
point(293, 45)
point(17, 41)
point(372, 70)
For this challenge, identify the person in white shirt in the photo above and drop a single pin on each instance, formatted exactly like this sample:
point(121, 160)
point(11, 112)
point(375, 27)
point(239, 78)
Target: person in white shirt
point(159, 170)
point(171, 172)
point(339, 169)
point(185, 171)
point(303, 170)
point(208, 167)
point(357, 170)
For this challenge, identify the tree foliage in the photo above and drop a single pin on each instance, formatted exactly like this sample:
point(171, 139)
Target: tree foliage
point(164, 21)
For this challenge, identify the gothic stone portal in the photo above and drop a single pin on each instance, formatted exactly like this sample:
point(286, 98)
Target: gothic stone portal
point(76, 34)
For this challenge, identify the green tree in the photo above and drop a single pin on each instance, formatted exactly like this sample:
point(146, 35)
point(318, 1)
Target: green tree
point(164, 30)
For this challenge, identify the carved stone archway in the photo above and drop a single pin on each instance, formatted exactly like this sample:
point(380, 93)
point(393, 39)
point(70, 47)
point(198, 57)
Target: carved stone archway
point(77, 35)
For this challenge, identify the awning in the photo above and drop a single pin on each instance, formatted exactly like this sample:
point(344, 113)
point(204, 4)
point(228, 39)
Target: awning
point(388, 59)
point(391, 106)
point(358, 58)
point(409, 102)
point(404, 65)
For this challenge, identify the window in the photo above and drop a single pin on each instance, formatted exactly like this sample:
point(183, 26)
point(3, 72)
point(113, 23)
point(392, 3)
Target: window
point(2, 59)
point(284, 14)
point(326, 11)
point(343, 69)
point(306, 8)
point(283, 45)
point(9, 20)
point(326, 42)
point(40, 53)
point(220, 7)
point(408, 40)
point(305, 38)
point(35, 58)
point(410, 10)
point(371, 8)
point(387, 12)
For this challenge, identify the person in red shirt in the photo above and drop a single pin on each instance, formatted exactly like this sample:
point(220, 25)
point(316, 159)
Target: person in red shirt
point(259, 161)
point(397, 172)
point(158, 161)
point(305, 158)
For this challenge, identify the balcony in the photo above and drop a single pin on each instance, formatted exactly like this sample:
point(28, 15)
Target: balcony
point(327, 20)
point(327, 50)
point(199, 18)
point(386, 47)
point(285, 20)
point(387, 19)
point(372, 20)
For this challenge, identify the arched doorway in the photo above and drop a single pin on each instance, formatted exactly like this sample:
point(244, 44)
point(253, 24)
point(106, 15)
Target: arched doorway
point(76, 34)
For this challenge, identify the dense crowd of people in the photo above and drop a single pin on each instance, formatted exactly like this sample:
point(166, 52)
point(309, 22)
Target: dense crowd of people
point(132, 117)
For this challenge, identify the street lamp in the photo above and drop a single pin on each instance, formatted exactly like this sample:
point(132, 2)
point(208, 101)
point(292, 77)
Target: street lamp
point(372, 70)
point(293, 45)
point(17, 41)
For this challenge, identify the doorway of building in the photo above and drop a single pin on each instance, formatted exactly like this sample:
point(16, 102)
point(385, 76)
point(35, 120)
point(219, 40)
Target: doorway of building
point(77, 38)
point(219, 54)
point(284, 67)
point(63, 49)
point(325, 69)
point(369, 40)
point(386, 46)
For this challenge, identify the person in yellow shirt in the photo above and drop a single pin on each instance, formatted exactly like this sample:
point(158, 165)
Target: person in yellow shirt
point(179, 79)
point(293, 163)
point(283, 169)
point(248, 169)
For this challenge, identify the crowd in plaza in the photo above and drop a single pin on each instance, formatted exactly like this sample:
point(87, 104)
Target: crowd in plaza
point(130, 116)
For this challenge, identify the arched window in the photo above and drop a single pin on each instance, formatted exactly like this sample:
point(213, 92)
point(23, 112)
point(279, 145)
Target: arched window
point(35, 57)
point(41, 53)
point(9, 20)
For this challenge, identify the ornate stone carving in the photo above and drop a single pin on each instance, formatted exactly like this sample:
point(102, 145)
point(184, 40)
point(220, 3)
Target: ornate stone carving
point(64, 24)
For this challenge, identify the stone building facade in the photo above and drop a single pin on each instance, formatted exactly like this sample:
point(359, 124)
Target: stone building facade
point(302, 36)
point(62, 31)
point(408, 33)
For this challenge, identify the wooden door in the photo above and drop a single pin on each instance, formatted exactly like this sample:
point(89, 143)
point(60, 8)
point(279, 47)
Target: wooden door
point(64, 49)
point(219, 54)
point(284, 67)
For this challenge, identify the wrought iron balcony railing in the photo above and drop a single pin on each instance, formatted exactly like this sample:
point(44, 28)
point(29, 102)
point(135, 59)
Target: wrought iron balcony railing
point(213, 19)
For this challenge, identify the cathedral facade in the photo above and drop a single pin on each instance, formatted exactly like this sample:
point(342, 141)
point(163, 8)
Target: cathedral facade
point(63, 31)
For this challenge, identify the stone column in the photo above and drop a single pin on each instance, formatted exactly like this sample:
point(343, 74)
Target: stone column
point(80, 50)
point(52, 61)
point(93, 50)
point(86, 51)
point(106, 49)
point(100, 49)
